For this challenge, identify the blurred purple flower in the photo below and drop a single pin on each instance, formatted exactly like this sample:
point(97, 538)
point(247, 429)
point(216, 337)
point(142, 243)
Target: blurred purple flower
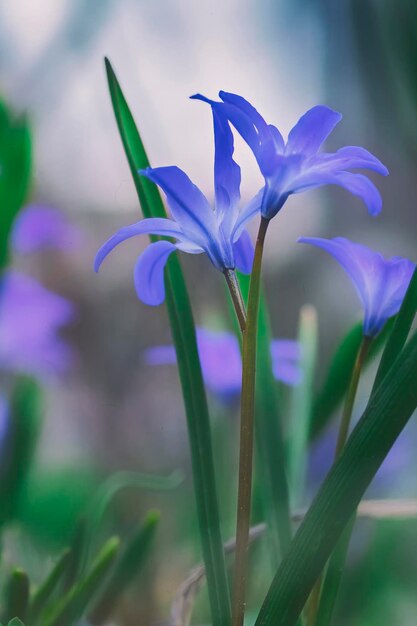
point(195, 226)
point(38, 227)
point(30, 320)
point(380, 283)
point(296, 166)
point(221, 361)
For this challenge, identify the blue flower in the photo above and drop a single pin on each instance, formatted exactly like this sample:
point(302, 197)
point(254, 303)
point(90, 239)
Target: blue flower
point(221, 361)
point(195, 226)
point(39, 227)
point(380, 283)
point(295, 166)
point(30, 320)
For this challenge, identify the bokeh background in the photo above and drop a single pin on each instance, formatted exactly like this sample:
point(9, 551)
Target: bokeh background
point(112, 411)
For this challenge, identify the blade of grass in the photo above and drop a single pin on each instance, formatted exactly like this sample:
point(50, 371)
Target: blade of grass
point(76, 601)
point(15, 159)
point(126, 568)
point(16, 600)
point(46, 590)
point(301, 402)
point(387, 413)
point(183, 331)
point(19, 446)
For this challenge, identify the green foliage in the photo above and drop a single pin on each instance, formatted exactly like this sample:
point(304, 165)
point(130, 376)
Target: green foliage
point(335, 385)
point(19, 446)
point(128, 565)
point(15, 164)
point(183, 332)
point(16, 597)
point(388, 411)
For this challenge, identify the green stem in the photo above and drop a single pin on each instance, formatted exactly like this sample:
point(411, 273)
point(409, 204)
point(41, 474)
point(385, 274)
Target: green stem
point(237, 299)
point(321, 612)
point(246, 432)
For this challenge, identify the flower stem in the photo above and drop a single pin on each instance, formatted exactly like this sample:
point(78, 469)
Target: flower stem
point(351, 395)
point(323, 597)
point(237, 298)
point(247, 432)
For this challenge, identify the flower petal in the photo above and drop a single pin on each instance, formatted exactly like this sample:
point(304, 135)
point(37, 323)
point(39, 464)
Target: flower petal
point(260, 137)
point(312, 129)
point(251, 209)
point(160, 355)
point(380, 283)
point(226, 171)
point(350, 157)
point(357, 184)
point(285, 354)
point(149, 272)
point(189, 206)
point(151, 225)
point(244, 252)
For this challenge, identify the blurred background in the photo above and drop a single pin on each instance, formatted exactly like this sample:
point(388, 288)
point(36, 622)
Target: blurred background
point(110, 410)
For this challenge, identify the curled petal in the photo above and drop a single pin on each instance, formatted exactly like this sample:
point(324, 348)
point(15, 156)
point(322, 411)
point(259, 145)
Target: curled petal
point(151, 225)
point(312, 129)
point(244, 252)
point(149, 272)
point(357, 184)
point(189, 206)
point(226, 171)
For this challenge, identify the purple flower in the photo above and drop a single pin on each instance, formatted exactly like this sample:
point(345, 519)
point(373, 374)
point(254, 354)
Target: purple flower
point(30, 320)
point(380, 283)
point(296, 165)
point(38, 227)
point(222, 365)
point(195, 226)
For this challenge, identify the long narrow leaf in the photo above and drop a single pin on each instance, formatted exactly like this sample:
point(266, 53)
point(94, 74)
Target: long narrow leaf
point(383, 420)
point(400, 329)
point(183, 331)
point(19, 445)
point(15, 160)
point(76, 601)
point(126, 568)
point(16, 600)
point(301, 401)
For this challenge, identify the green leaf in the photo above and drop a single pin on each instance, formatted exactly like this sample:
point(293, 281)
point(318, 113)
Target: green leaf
point(19, 446)
point(269, 439)
point(301, 403)
point(127, 567)
point(400, 329)
point(15, 161)
point(46, 590)
point(15, 622)
point(183, 332)
point(387, 413)
point(16, 600)
point(334, 388)
point(74, 604)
